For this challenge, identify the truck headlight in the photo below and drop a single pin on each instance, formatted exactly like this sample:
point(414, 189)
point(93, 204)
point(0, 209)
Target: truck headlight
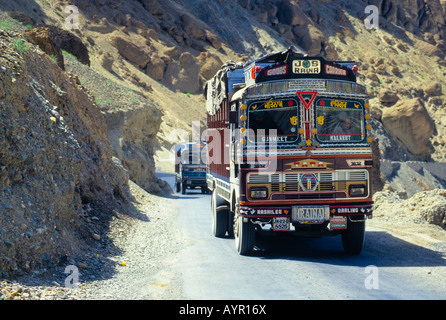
point(258, 193)
point(357, 190)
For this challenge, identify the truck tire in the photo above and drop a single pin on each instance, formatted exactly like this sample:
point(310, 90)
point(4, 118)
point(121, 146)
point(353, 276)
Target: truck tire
point(183, 188)
point(177, 186)
point(220, 212)
point(353, 237)
point(244, 233)
point(231, 224)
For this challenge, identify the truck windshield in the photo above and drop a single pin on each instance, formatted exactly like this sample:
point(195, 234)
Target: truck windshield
point(273, 121)
point(339, 121)
point(192, 157)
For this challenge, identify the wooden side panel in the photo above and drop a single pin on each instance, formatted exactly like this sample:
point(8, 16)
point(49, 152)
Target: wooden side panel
point(217, 141)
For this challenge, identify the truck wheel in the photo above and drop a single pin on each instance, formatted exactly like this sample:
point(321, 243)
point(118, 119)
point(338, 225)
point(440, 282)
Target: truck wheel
point(183, 188)
point(353, 237)
point(244, 233)
point(219, 221)
point(177, 187)
point(220, 211)
point(231, 224)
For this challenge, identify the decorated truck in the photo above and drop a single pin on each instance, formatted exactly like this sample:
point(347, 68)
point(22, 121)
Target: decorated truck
point(289, 149)
point(190, 167)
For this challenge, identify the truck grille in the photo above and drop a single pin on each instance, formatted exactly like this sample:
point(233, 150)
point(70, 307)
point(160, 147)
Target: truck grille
point(340, 175)
point(292, 182)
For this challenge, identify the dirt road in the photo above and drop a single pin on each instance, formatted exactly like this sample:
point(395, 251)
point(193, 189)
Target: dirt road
point(167, 252)
point(174, 256)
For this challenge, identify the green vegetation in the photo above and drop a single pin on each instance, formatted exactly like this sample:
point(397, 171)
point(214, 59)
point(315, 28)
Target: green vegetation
point(19, 45)
point(5, 25)
point(54, 58)
point(69, 54)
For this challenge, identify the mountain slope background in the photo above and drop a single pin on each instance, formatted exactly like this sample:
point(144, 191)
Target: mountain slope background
point(141, 66)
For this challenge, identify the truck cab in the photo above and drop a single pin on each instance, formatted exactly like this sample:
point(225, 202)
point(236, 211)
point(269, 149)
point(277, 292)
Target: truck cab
point(190, 167)
point(289, 149)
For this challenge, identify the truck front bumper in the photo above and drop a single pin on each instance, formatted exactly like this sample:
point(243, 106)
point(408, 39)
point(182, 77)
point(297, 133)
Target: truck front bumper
point(282, 217)
point(194, 182)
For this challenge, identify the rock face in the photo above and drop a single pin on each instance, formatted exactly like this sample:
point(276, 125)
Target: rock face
point(55, 160)
point(43, 38)
point(133, 122)
point(53, 40)
point(414, 15)
point(132, 135)
point(409, 121)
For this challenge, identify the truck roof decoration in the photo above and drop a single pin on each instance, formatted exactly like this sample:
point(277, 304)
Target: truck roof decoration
point(283, 65)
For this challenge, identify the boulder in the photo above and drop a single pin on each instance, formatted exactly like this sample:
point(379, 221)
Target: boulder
point(131, 52)
point(183, 74)
point(429, 49)
point(106, 60)
point(433, 89)
point(309, 38)
point(153, 7)
point(213, 39)
point(291, 14)
point(410, 122)
point(191, 27)
point(210, 64)
point(388, 97)
point(372, 76)
point(155, 67)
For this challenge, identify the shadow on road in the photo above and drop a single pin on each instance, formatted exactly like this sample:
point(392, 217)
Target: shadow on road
point(380, 248)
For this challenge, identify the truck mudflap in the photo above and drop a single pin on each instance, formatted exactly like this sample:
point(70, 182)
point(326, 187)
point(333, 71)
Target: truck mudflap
point(335, 217)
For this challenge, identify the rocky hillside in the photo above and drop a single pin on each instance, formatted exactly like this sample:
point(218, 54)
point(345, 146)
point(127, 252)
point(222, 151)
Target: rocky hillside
point(166, 50)
point(127, 84)
point(56, 164)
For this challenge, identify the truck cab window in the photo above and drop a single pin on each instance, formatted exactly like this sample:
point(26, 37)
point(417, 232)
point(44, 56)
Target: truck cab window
point(273, 121)
point(339, 121)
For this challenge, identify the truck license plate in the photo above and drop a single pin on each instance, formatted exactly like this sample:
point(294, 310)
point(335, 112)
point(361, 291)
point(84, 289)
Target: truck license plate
point(281, 224)
point(308, 214)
